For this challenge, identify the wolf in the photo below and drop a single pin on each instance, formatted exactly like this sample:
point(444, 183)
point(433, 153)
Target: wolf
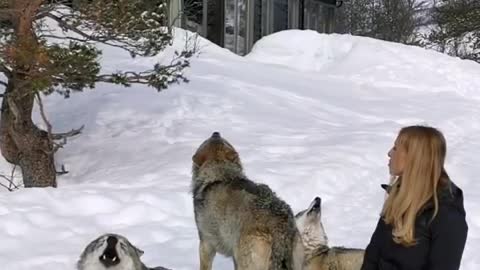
point(237, 217)
point(112, 252)
point(318, 255)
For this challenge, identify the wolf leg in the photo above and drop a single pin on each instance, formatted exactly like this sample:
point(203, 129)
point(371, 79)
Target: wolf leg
point(207, 253)
point(298, 253)
point(253, 253)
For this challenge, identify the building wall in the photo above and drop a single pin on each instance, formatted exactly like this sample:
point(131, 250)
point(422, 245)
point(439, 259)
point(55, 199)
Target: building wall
point(238, 24)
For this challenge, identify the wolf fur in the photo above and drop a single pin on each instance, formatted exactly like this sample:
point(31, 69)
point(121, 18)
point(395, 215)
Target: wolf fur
point(318, 255)
point(112, 252)
point(239, 218)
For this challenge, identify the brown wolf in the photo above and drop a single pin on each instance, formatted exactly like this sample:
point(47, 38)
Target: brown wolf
point(239, 218)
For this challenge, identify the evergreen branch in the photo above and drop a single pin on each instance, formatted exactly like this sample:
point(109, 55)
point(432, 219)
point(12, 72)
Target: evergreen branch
point(158, 78)
point(90, 38)
point(6, 14)
point(87, 37)
point(44, 11)
point(51, 6)
point(128, 77)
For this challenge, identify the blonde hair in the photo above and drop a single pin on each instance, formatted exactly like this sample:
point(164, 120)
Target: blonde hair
point(425, 151)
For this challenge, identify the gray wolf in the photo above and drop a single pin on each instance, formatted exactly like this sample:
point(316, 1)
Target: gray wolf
point(112, 252)
point(237, 217)
point(318, 255)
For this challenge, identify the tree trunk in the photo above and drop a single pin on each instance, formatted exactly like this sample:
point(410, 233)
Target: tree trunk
point(21, 141)
point(24, 144)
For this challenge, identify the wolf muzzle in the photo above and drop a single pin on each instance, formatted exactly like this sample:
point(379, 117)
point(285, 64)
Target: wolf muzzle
point(317, 203)
point(110, 256)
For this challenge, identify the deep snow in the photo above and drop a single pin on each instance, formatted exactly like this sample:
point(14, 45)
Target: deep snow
point(311, 115)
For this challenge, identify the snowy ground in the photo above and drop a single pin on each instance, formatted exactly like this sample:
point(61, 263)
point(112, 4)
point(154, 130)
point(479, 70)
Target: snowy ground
point(310, 114)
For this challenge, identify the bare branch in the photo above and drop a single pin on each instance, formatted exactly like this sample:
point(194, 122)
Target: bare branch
point(4, 84)
point(65, 25)
point(11, 185)
point(11, 177)
point(5, 185)
point(63, 137)
point(71, 133)
point(67, 38)
point(59, 136)
point(44, 117)
point(4, 69)
point(63, 171)
point(49, 126)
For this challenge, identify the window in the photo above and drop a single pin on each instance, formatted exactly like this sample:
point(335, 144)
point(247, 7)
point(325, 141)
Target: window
point(280, 15)
point(235, 25)
point(318, 15)
point(238, 24)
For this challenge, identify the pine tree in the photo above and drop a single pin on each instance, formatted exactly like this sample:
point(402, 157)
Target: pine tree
point(457, 31)
point(391, 20)
point(396, 20)
point(31, 65)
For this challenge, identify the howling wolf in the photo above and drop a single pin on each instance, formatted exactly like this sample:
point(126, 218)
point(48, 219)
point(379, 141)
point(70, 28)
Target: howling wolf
point(237, 217)
point(112, 252)
point(318, 255)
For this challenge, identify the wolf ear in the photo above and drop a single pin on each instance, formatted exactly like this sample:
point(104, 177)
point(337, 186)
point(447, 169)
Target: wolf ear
point(232, 156)
point(199, 158)
point(138, 251)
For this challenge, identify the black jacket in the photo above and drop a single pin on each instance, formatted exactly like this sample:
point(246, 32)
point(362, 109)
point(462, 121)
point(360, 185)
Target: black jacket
point(440, 244)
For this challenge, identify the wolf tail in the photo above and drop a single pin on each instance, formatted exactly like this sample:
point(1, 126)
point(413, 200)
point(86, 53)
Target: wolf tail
point(287, 252)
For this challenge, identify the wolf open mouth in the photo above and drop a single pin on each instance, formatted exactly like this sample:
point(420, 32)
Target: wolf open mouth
point(316, 206)
point(110, 256)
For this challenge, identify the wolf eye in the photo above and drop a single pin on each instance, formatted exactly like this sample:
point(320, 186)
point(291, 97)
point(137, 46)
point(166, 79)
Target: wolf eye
point(123, 247)
point(99, 243)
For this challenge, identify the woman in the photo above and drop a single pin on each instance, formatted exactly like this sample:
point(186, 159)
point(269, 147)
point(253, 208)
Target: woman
point(422, 225)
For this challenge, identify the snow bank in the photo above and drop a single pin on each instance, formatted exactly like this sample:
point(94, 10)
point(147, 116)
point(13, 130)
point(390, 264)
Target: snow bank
point(316, 120)
point(368, 61)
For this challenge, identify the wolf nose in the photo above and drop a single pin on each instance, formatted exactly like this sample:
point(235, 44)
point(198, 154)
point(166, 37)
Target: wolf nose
point(112, 241)
point(318, 201)
point(216, 134)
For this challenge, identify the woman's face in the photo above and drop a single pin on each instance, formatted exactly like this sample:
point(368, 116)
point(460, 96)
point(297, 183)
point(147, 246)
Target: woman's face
point(397, 156)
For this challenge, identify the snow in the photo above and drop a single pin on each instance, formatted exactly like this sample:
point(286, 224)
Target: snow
point(310, 114)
